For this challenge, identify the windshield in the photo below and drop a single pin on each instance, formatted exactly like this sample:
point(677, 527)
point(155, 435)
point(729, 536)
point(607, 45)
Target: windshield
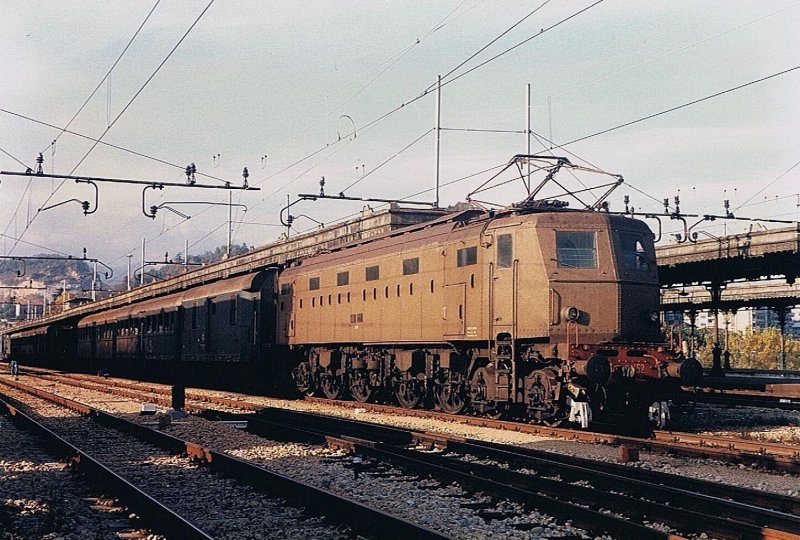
point(576, 249)
point(634, 256)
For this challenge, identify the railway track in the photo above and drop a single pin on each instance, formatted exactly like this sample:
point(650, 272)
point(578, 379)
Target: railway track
point(554, 482)
point(158, 475)
point(744, 399)
point(39, 494)
point(754, 515)
point(728, 449)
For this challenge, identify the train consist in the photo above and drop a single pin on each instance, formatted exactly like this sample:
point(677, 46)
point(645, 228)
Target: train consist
point(536, 312)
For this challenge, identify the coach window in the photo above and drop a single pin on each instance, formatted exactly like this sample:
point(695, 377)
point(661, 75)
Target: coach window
point(576, 249)
point(373, 273)
point(467, 256)
point(313, 283)
point(505, 251)
point(411, 266)
point(343, 278)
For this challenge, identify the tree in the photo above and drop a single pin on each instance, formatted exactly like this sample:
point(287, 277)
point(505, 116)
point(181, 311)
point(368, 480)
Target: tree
point(755, 348)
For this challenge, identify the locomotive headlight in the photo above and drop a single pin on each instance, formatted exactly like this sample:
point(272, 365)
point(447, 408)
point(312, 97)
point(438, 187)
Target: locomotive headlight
point(571, 313)
point(654, 316)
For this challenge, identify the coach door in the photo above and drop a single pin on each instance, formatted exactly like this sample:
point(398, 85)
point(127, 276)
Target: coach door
point(502, 286)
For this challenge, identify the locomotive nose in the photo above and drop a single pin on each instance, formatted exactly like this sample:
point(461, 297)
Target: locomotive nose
point(690, 371)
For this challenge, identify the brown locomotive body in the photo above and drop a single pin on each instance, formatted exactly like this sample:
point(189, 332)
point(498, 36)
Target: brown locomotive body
point(532, 309)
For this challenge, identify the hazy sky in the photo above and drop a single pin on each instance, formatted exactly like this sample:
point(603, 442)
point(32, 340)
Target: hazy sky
point(284, 79)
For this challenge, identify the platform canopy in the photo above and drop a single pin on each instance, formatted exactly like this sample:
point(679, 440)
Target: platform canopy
point(751, 256)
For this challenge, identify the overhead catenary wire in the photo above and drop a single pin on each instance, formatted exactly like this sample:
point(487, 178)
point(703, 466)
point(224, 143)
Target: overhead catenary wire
point(14, 158)
point(592, 82)
point(561, 146)
point(754, 195)
point(491, 42)
point(678, 107)
point(49, 249)
point(427, 92)
point(107, 144)
point(523, 42)
point(388, 62)
point(387, 160)
point(122, 112)
point(106, 76)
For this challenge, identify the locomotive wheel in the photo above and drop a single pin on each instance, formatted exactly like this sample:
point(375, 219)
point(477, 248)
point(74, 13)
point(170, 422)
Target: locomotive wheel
point(304, 379)
point(331, 387)
point(451, 397)
point(409, 393)
point(360, 386)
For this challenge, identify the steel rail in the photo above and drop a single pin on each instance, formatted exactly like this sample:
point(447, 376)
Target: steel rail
point(158, 517)
point(338, 508)
point(644, 497)
point(749, 506)
point(769, 455)
point(765, 401)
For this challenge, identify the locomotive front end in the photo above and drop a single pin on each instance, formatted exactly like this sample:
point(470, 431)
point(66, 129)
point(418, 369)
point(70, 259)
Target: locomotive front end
point(605, 291)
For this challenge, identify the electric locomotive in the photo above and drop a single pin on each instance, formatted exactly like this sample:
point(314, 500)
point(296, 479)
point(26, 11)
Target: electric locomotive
point(536, 311)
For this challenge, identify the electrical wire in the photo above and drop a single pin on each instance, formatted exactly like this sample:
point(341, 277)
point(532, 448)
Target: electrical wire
point(49, 249)
point(678, 107)
point(754, 195)
point(427, 92)
point(141, 89)
point(388, 62)
point(574, 89)
point(15, 159)
point(491, 42)
point(106, 76)
point(523, 42)
point(387, 160)
point(109, 145)
point(130, 102)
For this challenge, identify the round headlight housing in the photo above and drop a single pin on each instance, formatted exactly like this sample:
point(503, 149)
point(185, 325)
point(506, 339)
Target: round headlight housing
point(571, 313)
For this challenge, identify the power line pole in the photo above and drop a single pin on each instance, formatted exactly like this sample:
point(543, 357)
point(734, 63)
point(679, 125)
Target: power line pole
point(438, 132)
point(528, 134)
point(130, 256)
point(230, 221)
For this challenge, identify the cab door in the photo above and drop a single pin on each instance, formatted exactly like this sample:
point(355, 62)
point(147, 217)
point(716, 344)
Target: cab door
point(503, 286)
point(453, 311)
